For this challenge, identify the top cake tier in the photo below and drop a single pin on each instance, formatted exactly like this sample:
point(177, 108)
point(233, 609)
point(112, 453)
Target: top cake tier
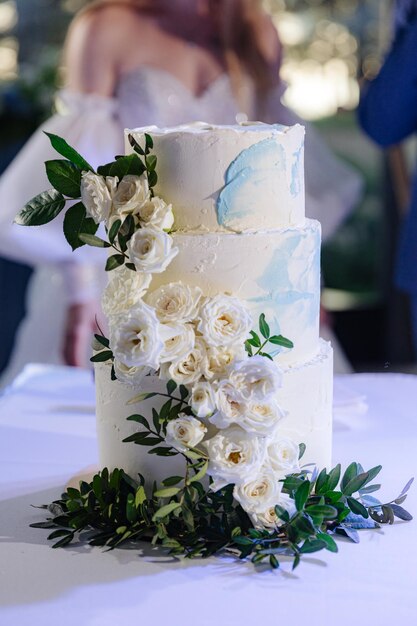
point(229, 178)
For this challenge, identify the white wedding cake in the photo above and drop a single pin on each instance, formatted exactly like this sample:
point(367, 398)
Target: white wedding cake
point(240, 232)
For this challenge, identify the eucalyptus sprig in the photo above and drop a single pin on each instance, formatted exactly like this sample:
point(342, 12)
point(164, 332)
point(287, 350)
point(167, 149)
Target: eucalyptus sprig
point(186, 518)
point(257, 344)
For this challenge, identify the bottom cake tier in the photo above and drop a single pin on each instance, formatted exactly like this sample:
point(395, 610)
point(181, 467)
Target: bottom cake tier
point(306, 396)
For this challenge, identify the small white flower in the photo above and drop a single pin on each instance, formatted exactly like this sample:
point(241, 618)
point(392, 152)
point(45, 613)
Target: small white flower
point(283, 455)
point(128, 375)
point(179, 340)
point(188, 369)
point(96, 195)
point(157, 213)
point(268, 518)
point(131, 193)
point(224, 321)
point(135, 337)
point(234, 456)
point(258, 492)
point(219, 359)
point(261, 417)
point(124, 290)
point(175, 302)
point(203, 401)
point(256, 378)
point(150, 249)
point(184, 432)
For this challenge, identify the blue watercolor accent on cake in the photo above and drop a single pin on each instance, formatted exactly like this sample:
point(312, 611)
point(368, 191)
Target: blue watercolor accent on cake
point(280, 294)
point(244, 176)
point(295, 186)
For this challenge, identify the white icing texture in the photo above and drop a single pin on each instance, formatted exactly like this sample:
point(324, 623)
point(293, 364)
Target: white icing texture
point(275, 272)
point(230, 178)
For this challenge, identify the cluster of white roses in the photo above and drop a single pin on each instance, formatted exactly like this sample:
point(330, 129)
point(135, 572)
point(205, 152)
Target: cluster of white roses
point(196, 341)
point(107, 199)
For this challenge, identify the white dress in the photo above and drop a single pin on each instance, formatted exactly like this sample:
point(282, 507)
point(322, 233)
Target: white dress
point(94, 126)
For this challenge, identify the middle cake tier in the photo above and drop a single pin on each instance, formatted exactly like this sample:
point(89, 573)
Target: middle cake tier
point(276, 272)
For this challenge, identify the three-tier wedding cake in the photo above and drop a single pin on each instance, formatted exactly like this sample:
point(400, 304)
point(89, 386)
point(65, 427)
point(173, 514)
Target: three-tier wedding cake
point(240, 235)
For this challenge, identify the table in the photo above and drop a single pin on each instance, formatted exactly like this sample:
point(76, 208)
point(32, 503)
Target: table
point(47, 434)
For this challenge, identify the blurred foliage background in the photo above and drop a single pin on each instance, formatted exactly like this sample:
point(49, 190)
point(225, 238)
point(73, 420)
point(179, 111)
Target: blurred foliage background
point(330, 45)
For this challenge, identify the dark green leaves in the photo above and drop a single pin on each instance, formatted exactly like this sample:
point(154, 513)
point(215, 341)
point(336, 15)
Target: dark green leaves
point(263, 327)
point(65, 177)
point(129, 165)
point(256, 345)
point(114, 261)
point(94, 241)
point(301, 495)
point(76, 223)
point(41, 209)
point(61, 146)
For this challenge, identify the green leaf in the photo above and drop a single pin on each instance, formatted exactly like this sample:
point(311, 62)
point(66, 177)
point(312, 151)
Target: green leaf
point(168, 492)
point(282, 513)
point(102, 340)
point(129, 165)
point(357, 507)
point(302, 494)
point(331, 545)
point(172, 480)
point(273, 561)
point(151, 162)
point(141, 397)
point(200, 474)
point(101, 357)
point(114, 261)
point(165, 510)
point(302, 449)
point(312, 545)
point(350, 472)
point(61, 146)
point(264, 327)
point(76, 222)
point(183, 392)
point(148, 142)
point(64, 541)
point(325, 510)
point(359, 481)
point(65, 177)
point(92, 240)
point(42, 209)
point(114, 230)
point(171, 387)
point(248, 348)
point(334, 477)
point(140, 419)
point(163, 451)
point(152, 178)
point(136, 147)
point(140, 497)
point(321, 482)
point(279, 340)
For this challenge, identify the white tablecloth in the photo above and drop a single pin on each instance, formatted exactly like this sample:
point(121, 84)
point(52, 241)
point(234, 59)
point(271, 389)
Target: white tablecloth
point(47, 434)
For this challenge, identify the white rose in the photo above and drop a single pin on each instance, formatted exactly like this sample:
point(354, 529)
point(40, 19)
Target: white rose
point(175, 302)
point(268, 518)
point(257, 378)
point(157, 213)
point(219, 359)
point(230, 405)
point(261, 417)
point(124, 290)
point(224, 321)
point(188, 369)
point(96, 195)
point(184, 432)
point(283, 455)
point(131, 193)
point(135, 337)
point(179, 340)
point(150, 249)
point(128, 375)
point(259, 492)
point(234, 455)
point(203, 401)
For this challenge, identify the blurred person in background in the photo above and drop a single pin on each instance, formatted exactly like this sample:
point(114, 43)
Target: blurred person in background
point(388, 114)
point(131, 63)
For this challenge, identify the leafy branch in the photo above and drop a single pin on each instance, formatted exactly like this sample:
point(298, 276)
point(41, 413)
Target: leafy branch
point(186, 518)
point(256, 345)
